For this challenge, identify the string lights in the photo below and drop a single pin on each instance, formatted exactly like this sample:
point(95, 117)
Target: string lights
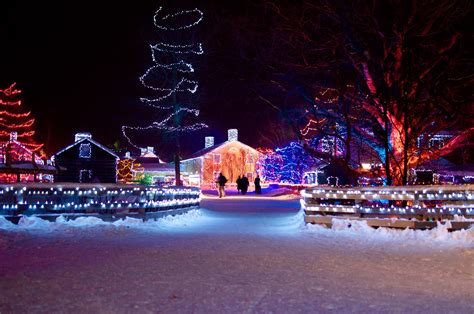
point(15, 121)
point(164, 24)
point(10, 103)
point(128, 170)
point(14, 115)
point(287, 164)
point(269, 164)
point(10, 91)
point(17, 126)
point(87, 198)
point(166, 99)
point(403, 202)
point(180, 49)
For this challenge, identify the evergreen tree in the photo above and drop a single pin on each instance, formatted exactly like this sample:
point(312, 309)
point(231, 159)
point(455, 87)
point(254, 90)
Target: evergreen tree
point(296, 161)
point(269, 165)
point(286, 164)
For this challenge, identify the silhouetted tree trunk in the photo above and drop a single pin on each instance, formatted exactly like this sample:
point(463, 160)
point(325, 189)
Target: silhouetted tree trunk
point(410, 63)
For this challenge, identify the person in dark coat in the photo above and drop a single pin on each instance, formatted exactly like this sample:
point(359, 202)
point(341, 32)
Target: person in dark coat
point(258, 188)
point(221, 181)
point(245, 185)
point(239, 184)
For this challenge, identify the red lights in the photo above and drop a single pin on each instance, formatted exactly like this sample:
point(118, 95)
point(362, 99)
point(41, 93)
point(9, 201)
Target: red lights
point(16, 125)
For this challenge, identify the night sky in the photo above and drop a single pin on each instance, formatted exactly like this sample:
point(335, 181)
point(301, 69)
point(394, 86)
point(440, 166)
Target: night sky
point(78, 65)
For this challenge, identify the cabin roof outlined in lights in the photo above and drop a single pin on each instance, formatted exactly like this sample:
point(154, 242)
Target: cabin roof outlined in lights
point(232, 157)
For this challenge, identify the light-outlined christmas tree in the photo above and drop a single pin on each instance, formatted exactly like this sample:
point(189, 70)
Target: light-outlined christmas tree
point(16, 124)
point(171, 82)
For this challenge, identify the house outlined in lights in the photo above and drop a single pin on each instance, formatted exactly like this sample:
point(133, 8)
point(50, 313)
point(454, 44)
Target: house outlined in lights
point(232, 157)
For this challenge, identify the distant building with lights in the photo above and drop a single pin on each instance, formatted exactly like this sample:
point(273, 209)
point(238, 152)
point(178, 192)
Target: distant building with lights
point(86, 161)
point(19, 164)
point(150, 164)
point(232, 157)
point(433, 141)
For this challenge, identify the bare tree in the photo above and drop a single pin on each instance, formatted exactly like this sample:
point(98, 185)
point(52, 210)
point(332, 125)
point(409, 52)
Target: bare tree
point(409, 62)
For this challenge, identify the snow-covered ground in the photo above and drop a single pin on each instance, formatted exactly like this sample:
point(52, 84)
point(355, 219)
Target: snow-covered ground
point(267, 191)
point(238, 254)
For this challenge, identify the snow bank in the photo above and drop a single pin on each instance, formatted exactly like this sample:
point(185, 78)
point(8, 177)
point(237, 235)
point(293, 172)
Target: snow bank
point(182, 220)
point(462, 218)
point(85, 221)
point(359, 230)
point(33, 223)
point(4, 223)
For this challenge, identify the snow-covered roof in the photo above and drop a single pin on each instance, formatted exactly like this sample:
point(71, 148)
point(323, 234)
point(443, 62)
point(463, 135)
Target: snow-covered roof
point(23, 148)
point(149, 155)
point(27, 166)
point(459, 170)
point(153, 167)
point(87, 140)
point(437, 164)
point(207, 150)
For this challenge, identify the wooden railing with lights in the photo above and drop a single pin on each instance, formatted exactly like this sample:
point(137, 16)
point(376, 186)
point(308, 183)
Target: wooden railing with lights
point(416, 205)
point(51, 200)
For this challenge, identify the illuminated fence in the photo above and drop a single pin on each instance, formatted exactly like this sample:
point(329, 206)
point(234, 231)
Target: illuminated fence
point(422, 203)
point(93, 198)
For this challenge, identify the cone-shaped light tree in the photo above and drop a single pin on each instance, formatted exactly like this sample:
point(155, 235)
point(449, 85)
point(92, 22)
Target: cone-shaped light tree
point(15, 122)
point(170, 80)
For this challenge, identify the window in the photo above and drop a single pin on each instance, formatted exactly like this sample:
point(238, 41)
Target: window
point(439, 140)
point(217, 158)
point(249, 158)
point(85, 175)
point(85, 151)
point(326, 145)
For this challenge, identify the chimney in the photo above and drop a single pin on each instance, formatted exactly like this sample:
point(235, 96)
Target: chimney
point(208, 141)
point(149, 151)
point(232, 135)
point(82, 135)
point(13, 136)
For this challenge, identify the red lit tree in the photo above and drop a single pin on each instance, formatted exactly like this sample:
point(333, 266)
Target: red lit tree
point(16, 124)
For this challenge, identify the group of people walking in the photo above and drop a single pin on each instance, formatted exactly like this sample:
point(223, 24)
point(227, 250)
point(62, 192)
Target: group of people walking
point(242, 185)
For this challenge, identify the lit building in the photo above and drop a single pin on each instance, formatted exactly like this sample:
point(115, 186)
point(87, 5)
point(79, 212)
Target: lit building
point(433, 141)
point(232, 157)
point(151, 165)
point(86, 161)
point(20, 164)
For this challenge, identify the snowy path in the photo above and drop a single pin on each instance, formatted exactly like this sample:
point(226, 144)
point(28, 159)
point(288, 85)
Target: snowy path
point(236, 256)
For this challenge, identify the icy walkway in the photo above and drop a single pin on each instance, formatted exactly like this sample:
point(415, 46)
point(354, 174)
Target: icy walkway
point(236, 255)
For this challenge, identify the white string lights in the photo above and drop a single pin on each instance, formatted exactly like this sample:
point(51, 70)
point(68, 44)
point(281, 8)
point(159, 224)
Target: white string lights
point(182, 49)
point(433, 201)
point(166, 95)
point(15, 200)
point(192, 88)
point(162, 22)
